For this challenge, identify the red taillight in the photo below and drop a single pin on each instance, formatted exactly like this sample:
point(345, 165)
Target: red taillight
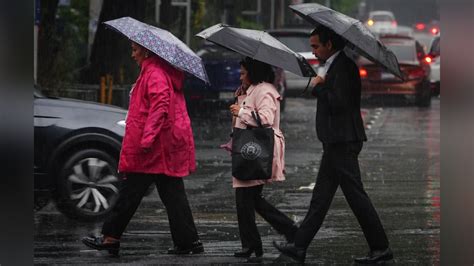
point(313, 62)
point(428, 59)
point(363, 73)
point(420, 26)
point(434, 31)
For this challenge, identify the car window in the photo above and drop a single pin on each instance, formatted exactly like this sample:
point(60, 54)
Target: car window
point(379, 18)
point(403, 52)
point(296, 43)
point(435, 47)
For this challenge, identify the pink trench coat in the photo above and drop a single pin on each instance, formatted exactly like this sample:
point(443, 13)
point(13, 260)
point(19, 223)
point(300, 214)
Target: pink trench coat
point(264, 99)
point(157, 119)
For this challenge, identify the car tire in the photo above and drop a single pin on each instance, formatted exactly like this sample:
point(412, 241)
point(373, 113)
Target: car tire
point(87, 185)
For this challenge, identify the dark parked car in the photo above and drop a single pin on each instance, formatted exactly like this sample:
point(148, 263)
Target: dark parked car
point(411, 58)
point(223, 69)
point(77, 145)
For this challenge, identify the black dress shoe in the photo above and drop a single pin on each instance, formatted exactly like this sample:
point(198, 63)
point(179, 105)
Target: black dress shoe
point(290, 236)
point(195, 248)
point(376, 256)
point(290, 250)
point(247, 252)
point(97, 242)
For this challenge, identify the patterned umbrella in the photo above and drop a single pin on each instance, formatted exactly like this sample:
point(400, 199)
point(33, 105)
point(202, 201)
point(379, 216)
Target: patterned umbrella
point(162, 43)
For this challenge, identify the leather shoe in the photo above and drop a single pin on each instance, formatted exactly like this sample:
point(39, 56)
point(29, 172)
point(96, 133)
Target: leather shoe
point(290, 250)
point(194, 248)
point(290, 236)
point(376, 256)
point(97, 242)
point(247, 252)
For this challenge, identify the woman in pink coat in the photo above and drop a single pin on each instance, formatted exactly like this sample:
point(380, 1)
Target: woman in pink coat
point(258, 94)
point(158, 147)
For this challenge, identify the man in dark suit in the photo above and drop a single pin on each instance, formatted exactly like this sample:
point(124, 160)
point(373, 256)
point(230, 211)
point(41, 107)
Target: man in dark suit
point(340, 128)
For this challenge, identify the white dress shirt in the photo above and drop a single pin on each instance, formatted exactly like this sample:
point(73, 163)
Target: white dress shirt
point(324, 69)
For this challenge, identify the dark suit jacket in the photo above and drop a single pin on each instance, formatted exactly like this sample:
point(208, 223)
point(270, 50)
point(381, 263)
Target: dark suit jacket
point(338, 117)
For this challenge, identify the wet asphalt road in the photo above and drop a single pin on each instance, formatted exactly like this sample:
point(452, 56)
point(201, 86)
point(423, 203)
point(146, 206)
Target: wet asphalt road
point(400, 167)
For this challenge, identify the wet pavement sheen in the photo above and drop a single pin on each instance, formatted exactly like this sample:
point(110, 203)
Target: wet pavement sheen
point(400, 166)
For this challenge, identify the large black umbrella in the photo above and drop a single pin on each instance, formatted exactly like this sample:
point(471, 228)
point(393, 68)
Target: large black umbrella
point(358, 37)
point(258, 45)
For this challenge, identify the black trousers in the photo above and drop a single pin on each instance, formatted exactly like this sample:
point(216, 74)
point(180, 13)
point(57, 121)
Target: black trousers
point(340, 166)
point(250, 199)
point(173, 196)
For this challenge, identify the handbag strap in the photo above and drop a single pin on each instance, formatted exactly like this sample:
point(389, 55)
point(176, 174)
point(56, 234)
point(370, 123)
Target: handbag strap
point(256, 116)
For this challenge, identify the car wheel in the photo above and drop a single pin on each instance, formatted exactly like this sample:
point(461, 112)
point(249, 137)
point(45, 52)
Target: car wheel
point(88, 185)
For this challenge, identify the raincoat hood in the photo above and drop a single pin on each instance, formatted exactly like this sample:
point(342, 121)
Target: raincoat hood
point(176, 75)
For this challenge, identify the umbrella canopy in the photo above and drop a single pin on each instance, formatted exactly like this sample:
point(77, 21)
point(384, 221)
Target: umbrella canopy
point(258, 45)
point(162, 43)
point(358, 37)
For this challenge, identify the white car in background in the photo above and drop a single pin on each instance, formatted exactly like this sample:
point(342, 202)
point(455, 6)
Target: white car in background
point(434, 58)
point(382, 22)
point(297, 40)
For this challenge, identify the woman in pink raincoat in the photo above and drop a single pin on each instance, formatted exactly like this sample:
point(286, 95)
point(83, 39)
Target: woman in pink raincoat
point(258, 94)
point(158, 147)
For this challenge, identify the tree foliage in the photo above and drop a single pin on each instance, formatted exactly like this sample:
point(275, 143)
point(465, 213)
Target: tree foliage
point(110, 50)
point(62, 42)
point(48, 43)
point(347, 7)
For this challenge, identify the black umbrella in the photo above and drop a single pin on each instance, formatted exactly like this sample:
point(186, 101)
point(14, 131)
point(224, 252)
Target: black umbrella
point(359, 38)
point(258, 45)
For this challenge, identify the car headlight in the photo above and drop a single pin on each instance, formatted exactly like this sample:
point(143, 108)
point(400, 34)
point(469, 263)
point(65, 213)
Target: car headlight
point(121, 123)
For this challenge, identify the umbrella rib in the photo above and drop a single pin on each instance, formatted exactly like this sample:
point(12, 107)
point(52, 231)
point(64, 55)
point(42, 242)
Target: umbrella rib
point(348, 28)
point(259, 43)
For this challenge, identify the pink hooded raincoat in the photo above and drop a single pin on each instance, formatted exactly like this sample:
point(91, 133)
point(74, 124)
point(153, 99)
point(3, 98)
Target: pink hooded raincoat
point(157, 119)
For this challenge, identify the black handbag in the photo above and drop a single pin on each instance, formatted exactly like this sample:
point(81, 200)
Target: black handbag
point(252, 152)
